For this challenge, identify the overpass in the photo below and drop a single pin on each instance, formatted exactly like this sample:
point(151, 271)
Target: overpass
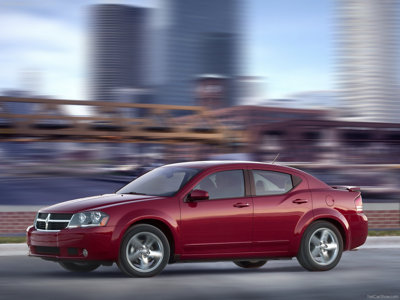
point(47, 121)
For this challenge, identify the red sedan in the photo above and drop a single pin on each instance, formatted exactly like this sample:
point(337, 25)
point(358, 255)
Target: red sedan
point(241, 211)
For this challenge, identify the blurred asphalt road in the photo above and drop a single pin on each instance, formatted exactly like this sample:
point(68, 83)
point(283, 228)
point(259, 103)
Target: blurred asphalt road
point(364, 274)
point(52, 190)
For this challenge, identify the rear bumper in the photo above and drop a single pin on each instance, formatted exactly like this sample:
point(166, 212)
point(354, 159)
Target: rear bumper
point(358, 230)
point(70, 244)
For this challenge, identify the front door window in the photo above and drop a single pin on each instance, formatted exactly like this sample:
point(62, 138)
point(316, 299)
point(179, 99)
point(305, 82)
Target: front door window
point(222, 185)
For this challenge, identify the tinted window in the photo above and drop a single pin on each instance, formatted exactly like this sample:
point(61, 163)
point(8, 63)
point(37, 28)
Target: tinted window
point(271, 183)
point(164, 181)
point(225, 184)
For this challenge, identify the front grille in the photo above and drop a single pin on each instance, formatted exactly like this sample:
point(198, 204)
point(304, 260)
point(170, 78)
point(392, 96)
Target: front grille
point(57, 226)
point(40, 225)
point(42, 215)
point(52, 221)
point(60, 217)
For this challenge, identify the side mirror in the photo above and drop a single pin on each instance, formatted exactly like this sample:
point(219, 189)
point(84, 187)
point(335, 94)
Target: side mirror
point(196, 195)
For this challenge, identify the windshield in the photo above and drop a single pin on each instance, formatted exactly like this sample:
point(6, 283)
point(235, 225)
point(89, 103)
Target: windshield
point(163, 181)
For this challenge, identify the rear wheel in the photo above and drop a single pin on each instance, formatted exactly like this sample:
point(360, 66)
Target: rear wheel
point(321, 247)
point(79, 266)
point(144, 251)
point(250, 264)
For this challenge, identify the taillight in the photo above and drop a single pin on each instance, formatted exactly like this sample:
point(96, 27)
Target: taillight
point(359, 204)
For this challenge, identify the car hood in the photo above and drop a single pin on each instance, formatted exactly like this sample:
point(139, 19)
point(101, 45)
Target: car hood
point(93, 202)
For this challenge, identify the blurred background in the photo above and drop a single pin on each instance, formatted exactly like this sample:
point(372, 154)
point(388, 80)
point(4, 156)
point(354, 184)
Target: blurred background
point(95, 93)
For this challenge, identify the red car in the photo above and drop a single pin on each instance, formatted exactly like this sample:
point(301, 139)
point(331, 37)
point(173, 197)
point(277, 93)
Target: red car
point(246, 212)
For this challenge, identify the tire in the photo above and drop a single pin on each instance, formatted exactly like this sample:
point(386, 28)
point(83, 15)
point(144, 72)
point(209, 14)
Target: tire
point(79, 266)
point(250, 264)
point(144, 251)
point(321, 247)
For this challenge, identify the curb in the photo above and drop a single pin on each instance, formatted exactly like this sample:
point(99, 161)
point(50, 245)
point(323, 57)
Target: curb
point(20, 249)
point(378, 242)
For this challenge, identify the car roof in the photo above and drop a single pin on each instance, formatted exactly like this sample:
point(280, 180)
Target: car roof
point(216, 163)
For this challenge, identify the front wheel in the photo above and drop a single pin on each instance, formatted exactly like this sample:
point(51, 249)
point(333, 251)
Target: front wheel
point(321, 247)
point(144, 251)
point(250, 264)
point(79, 266)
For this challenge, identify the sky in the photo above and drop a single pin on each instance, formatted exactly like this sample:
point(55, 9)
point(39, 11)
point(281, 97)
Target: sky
point(290, 43)
point(43, 45)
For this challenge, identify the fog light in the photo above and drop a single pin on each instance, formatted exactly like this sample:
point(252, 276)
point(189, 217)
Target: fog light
point(85, 252)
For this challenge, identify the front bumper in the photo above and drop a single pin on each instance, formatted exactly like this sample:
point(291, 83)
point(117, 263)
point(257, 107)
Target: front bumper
point(92, 244)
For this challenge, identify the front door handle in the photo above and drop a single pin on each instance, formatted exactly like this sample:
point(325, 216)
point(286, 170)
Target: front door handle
point(240, 205)
point(300, 201)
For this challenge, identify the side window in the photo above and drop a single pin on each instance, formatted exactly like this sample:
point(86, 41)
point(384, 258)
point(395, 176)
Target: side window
point(225, 184)
point(271, 183)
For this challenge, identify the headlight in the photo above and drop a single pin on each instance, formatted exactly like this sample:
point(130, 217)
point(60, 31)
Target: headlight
point(88, 219)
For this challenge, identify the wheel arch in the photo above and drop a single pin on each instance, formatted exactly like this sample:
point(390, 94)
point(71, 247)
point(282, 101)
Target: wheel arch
point(164, 228)
point(339, 227)
point(323, 214)
point(160, 224)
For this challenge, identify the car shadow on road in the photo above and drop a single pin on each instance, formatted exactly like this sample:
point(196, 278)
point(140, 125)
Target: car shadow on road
point(227, 271)
point(115, 273)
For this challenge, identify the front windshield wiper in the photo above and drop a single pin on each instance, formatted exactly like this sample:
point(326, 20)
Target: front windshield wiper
point(135, 193)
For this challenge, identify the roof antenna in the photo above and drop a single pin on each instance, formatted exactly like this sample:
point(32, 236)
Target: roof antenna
point(276, 157)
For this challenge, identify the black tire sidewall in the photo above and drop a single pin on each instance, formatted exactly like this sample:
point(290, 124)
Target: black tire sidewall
point(123, 263)
point(304, 256)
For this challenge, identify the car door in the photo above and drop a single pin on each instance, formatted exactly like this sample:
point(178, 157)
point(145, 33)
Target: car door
point(221, 224)
point(280, 200)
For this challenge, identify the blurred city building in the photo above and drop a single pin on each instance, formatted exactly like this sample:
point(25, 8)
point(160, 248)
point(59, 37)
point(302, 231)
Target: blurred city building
point(118, 51)
point(211, 91)
point(199, 38)
point(368, 60)
point(16, 107)
point(19, 150)
point(299, 135)
point(251, 90)
point(309, 100)
point(260, 138)
point(327, 141)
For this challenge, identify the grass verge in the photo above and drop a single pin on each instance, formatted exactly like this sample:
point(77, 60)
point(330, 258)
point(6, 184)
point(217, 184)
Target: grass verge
point(12, 239)
point(383, 232)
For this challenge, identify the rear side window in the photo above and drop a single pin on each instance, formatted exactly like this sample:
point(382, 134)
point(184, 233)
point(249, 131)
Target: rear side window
point(225, 184)
point(271, 183)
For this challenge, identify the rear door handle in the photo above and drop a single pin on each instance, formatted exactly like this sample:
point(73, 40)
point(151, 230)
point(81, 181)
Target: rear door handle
point(300, 201)
point(240, 205)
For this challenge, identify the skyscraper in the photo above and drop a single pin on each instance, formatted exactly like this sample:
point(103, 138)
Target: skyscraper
point(118, 41)
point(200, 38)
point(368, 52)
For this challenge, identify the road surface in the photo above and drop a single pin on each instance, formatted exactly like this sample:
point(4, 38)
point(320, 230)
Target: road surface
point(362, 274)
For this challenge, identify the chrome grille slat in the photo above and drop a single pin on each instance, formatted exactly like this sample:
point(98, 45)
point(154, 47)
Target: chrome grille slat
point(52, 221)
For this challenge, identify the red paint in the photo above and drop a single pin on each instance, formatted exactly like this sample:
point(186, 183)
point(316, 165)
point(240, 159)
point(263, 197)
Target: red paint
point(244, 227)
